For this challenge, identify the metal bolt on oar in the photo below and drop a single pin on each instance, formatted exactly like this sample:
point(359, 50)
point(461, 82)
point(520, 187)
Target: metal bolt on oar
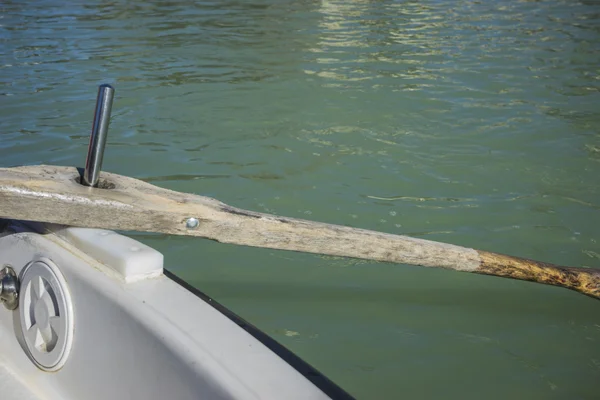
point(51, 194)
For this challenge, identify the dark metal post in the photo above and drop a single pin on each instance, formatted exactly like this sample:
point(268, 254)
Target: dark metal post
point(93, 163)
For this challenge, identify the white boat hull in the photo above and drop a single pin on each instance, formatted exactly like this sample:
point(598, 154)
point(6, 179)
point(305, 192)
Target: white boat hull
point(138, 334)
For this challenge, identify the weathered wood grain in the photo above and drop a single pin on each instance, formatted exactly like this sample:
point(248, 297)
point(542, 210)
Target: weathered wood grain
point(584, 280)
point(53, 194)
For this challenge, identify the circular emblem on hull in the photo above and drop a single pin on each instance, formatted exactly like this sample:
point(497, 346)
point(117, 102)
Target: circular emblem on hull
point(46, 314)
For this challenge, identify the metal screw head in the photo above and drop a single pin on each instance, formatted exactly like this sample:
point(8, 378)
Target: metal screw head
point(192, 223)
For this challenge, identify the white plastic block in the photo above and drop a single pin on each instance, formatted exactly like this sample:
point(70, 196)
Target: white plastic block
point(131, 259)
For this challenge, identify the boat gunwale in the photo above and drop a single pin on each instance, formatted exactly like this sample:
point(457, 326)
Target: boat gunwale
point(317, 378)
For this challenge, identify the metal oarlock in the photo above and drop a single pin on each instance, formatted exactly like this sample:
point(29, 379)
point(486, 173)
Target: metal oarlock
point(93, 163)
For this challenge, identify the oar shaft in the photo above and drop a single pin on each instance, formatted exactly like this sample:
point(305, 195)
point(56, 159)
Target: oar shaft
point(583, 280)
point(52, 194)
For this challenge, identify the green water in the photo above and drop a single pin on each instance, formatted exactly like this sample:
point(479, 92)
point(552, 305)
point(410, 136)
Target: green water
point(471, 122)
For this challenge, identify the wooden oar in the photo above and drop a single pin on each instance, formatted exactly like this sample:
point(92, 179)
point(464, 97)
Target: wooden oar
point(53, 194)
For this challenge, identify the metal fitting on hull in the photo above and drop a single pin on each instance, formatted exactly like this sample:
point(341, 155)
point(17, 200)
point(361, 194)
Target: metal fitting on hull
point(9, 288)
